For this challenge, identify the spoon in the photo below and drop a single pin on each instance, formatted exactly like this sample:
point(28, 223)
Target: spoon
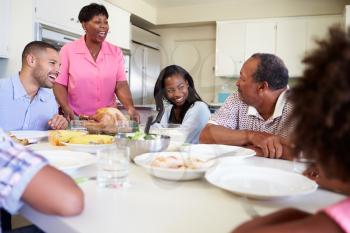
point(148, 124)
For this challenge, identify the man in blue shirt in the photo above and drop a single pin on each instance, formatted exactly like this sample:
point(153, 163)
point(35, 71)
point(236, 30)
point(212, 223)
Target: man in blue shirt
point(26, 102)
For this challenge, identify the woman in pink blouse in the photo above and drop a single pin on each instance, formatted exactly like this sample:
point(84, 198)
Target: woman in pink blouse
point(321, 113)
point(92, 70)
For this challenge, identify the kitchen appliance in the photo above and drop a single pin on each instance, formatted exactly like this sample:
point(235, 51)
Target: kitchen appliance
point(144, 71)
point(144, 64)
point(54, 36)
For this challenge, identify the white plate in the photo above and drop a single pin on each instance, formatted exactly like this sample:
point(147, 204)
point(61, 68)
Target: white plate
point(260, 182)
point(68, 160)
point(212, 150)
point(32, 135)
point(145, 161)
point(90, 148)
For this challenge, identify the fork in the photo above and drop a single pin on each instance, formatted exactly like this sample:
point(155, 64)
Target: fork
point(227, 154)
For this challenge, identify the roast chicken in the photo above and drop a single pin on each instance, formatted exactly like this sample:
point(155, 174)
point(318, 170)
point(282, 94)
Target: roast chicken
point(105, 120)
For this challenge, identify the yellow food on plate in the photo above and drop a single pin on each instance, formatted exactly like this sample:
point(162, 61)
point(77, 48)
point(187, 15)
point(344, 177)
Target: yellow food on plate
point(92, 139)
point(57, 137)
point(23, 141)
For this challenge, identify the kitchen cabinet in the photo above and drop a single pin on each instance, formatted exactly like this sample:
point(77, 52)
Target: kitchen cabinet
point(289, 38)
point(318, 28)
point(67, 19)
point(4, 28)
point(119, 26)
point(238, 41)
point(235, 42)
point(61, 14)
point(291, 44)
point(230, 48)
point(260, 38)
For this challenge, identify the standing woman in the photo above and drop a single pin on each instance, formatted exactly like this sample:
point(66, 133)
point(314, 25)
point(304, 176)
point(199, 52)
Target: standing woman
point(186, 107)
point(92, 70)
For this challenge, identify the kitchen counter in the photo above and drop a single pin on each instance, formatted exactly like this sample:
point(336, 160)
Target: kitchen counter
point(140, 107)
point(214, 106)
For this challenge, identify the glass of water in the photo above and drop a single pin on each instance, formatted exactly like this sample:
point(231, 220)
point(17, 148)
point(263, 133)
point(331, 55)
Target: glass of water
point(78, 125)
point(113, 166)
point(301, 163)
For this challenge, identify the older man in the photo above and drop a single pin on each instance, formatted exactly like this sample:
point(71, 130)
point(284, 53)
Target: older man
point(255, 117)
point(26, 103)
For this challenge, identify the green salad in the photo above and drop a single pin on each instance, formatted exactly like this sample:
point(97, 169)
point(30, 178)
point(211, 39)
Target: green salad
point(142, 136)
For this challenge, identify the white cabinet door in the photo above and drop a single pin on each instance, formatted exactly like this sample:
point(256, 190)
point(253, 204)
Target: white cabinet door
point(230, 48)
point(317, 28)
point(291, 44)
point(119, 26)
point(260, 38)
point(4, 27)
point(61, 14)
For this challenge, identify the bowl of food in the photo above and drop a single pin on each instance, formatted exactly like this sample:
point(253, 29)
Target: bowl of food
point(176, 166)
point(140, 142)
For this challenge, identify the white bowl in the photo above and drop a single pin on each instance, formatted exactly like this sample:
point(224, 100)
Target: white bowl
point(145, 161)
point(138, 147)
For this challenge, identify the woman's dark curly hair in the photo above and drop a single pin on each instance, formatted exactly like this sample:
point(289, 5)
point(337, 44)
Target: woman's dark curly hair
point(322, 106)
point(160, 95)
point(89, 11)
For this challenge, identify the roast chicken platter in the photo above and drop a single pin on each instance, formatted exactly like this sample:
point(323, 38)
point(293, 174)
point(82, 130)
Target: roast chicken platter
point(106, 121)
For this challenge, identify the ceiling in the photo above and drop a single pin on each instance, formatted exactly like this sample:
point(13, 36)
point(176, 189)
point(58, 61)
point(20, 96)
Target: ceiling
point(184, 3)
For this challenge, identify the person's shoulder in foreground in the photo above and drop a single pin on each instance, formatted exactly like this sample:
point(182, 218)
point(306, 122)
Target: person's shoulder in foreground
point(321, 115)
point(27, 178)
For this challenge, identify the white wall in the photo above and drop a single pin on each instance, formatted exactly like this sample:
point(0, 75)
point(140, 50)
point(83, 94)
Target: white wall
point(139, 8)
point(235, 9)
point(249, 9)
point(21, 33)
point(193, 48)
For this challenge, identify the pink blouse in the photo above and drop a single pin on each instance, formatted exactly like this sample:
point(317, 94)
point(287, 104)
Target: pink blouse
point(340, 213)
point(91, 85)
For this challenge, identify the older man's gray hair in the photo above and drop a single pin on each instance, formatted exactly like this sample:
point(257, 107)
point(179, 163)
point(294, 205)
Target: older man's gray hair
point(272, 70)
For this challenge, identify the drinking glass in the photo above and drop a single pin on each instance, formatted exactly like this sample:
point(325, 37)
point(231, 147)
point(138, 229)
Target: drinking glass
point(113, 166)
point(301, 163)
point(77, 125)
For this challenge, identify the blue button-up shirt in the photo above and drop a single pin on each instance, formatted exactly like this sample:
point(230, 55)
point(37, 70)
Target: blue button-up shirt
point(18, 112)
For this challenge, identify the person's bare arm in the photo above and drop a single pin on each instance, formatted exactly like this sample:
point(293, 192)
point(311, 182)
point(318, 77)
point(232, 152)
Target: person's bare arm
point(265, 144)
point(217, 134)
point(290, 221)
point(53, 192)
point(123, 93)
point(61, 95)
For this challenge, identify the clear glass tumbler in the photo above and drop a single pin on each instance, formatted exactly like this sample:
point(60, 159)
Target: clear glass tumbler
point(113, 166)
point(301, 163)
point(78, 125)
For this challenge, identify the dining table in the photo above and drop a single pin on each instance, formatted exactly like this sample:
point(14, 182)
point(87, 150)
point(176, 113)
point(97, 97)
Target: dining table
point(153, 205)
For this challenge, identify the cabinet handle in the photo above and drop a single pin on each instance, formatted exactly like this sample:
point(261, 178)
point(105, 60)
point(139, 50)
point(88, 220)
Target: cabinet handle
point(71, 19)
